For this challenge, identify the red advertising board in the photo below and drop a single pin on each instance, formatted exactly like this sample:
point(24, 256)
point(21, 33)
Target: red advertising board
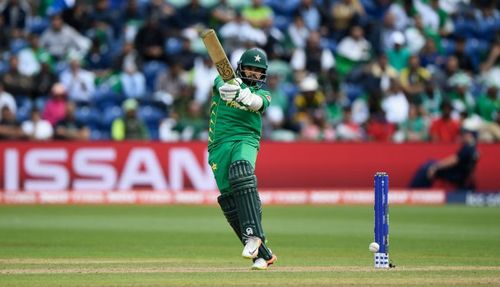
point(103, 166)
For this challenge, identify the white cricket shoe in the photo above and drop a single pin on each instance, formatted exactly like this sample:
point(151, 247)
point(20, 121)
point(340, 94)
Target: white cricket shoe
point(262, 264)
point(251, 249)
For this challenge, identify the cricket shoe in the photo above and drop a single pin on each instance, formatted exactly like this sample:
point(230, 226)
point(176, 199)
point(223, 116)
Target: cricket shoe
point(262, 264)
point(251, 249)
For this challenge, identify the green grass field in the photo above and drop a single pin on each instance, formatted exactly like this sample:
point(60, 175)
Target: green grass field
point(193, 246)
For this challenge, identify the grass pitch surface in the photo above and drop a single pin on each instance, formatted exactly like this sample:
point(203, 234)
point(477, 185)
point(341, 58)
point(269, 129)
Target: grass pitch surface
point(194, 246)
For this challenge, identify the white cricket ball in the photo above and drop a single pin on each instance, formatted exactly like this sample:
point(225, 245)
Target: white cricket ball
point(374, 247)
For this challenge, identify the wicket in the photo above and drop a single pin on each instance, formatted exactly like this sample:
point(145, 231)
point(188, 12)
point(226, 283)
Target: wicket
point(381, 207)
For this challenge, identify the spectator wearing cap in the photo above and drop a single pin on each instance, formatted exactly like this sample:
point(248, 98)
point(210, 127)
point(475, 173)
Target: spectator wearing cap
point(129, 127)
point(460, 95)
point(55, 108)
point(69, 128)
point(310, 100)
point(398, 56)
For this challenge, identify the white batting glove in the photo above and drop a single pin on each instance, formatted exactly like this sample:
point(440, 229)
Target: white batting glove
point(229, 91)
point(249, 100)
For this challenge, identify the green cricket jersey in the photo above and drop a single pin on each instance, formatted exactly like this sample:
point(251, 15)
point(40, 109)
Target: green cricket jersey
point(230, 121)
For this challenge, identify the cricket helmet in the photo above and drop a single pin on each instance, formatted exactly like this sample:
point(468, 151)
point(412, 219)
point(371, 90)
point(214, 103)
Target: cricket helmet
point(256, 58)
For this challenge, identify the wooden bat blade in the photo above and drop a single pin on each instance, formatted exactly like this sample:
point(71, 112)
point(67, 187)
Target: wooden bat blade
point(217, 54)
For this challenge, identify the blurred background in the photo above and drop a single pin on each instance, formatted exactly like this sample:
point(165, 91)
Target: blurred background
point(117, 88)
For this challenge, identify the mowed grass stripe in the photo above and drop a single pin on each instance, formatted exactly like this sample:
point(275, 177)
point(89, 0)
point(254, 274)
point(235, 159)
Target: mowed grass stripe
point(194, 246)
point(57, 269)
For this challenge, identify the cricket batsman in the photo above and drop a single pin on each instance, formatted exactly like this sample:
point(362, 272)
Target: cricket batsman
point(233, 143)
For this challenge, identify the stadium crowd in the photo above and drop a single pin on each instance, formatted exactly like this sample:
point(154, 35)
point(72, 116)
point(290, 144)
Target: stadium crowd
point(339, 70)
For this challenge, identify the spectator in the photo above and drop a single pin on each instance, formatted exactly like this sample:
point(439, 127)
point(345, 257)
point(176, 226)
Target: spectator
point(378, 129)
point(464, 59)
point(223, 13)
point(44, 79)
point(128, 57)
point(149, 41)
point(312, 59)
point(202, 74)
point(61, 39)
point(78, 16)
point(30, 58)
point(193, 126)
point(37, 128)
point(382, 72)
point(457, 169)
point(429, 56)
point(298, 32)
point(315, 127)
point(445, 128)
point(414, 79)
point(7, 100)
point(9, 127)
point(310, 14)
point(355, 47)
point(79, 83)
point(460, 95)
point(69, 128)
point(239, 31)
point(488, 104)
point(416, 127)
point(16, 83)
point(258, 15)
point(395, 104)
point(348, 130)
point(345, 13)
point(55, 108)
point(169, 84)
point(309, 101)
point(192, 14)
point(133, 81)
point(129, 127)
point(398, 56)
point(15, 13)
point(186, 55)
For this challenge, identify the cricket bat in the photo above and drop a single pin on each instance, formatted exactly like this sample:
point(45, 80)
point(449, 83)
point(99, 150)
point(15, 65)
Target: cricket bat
point(217, 54)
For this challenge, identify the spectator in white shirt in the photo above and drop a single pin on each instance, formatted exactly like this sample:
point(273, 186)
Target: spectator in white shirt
point(37, 128)
point(79, 83)
point(7, 99)
point(60, 39)
point(395, 104)
point(298, 32)
point(133, 81)
point(355, 47)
